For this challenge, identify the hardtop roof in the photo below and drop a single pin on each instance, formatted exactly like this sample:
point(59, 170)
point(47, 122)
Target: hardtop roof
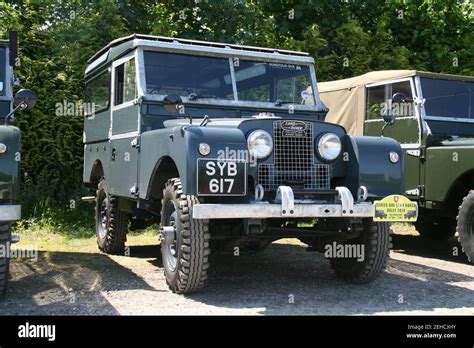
point(120, 46)
point(383, 75)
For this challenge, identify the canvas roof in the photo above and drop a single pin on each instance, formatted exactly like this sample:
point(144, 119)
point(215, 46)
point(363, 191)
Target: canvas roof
point(345, 98)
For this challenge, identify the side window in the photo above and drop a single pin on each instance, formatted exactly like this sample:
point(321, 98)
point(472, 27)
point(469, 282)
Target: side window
point(125, 84)
point(379, 100)
point(98, 92)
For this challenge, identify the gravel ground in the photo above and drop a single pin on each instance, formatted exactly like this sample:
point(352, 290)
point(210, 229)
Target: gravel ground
point(421, 278)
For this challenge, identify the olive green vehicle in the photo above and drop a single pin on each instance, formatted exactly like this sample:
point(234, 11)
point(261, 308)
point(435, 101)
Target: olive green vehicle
point(435, 126)
point(226, 148)
point(10, 209)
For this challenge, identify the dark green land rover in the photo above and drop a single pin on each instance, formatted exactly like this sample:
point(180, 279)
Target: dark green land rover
point(10, 209)
point(435, 127)
point(226, 148)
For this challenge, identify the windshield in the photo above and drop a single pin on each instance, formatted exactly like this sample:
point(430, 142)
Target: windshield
point(170, 73)
point(210, 77)
point(448, 98)
point(274, 82)
point(3, 70)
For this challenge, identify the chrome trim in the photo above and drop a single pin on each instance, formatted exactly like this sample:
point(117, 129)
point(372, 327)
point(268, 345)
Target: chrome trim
point(289, 207)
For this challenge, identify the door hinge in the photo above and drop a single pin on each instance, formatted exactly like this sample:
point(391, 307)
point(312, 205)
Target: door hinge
point(135, 143)
point(421, 191)
point(414, 192)
point(414, 153)
point(134, 190)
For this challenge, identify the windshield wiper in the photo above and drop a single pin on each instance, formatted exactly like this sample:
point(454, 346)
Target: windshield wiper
point(194, 96)
point(280, 102)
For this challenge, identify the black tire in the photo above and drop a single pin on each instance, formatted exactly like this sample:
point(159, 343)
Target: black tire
point(435, 229)
point(465, 225)
point(5, 237)
point(111, 222)
point(376, 238)
point(185, 255)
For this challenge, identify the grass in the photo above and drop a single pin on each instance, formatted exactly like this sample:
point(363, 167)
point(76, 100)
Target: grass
point(44, 235)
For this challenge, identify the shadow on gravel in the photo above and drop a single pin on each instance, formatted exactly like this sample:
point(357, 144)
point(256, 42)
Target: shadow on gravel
point(282, 280)
point(66, 283)
point(270, 280)
point(416, 245)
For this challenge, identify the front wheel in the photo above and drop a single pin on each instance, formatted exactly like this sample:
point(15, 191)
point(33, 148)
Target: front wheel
point(375, 242)
point(465, 225)
point(5, 237)
point(184, 241)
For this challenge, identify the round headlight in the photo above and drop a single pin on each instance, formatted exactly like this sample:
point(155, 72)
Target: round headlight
point(3, 148)
point(329, 146)
point(204, 149)
point(260, 144)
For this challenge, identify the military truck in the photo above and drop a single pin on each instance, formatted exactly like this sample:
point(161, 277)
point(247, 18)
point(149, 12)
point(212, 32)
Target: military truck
point(435, 126)
point(10, 209)
point(225, 146)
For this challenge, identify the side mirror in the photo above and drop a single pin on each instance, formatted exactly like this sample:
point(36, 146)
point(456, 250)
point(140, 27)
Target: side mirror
point(25, 99)
point(399, 98)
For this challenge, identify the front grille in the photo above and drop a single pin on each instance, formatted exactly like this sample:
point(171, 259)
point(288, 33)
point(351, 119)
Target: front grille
point(294, 161)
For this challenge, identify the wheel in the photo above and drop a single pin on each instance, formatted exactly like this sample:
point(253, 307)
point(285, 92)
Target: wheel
point(376, 239)
point(111, 222)
point(5, 237)
point(184, 241)
point(435, 229)
point(465, 225)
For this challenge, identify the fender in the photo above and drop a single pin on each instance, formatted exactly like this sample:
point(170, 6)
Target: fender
point(181, 144)
point(444, 166)
point(369, 165)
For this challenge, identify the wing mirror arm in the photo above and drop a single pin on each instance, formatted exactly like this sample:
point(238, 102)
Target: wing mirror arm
point(24, 99)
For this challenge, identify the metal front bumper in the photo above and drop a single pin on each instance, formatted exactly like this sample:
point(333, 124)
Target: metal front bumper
point(286, 207)
point(10, 212)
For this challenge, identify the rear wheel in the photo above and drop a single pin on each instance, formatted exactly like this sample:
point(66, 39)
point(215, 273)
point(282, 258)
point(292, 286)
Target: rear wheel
point(465, 225)
point(111, 222)
point(435, 228)
point(5, 237)
point(184, 241)
point(376, 241)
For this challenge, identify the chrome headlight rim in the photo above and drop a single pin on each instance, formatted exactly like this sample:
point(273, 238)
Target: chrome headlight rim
point(323, 153)
point(255, 136)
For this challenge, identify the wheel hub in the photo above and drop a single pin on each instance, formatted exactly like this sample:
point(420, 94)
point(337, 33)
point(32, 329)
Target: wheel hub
point(168, 239)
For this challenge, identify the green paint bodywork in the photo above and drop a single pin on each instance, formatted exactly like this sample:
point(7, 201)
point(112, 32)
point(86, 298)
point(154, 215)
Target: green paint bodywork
point(444, 166)
point(445, 163)
point(133, 147)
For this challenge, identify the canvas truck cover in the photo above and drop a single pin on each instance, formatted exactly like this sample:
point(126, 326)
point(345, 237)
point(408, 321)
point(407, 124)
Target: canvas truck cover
point(345, 98)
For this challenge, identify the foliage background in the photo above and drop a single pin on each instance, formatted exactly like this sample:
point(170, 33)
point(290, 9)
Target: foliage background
point(57, 37)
